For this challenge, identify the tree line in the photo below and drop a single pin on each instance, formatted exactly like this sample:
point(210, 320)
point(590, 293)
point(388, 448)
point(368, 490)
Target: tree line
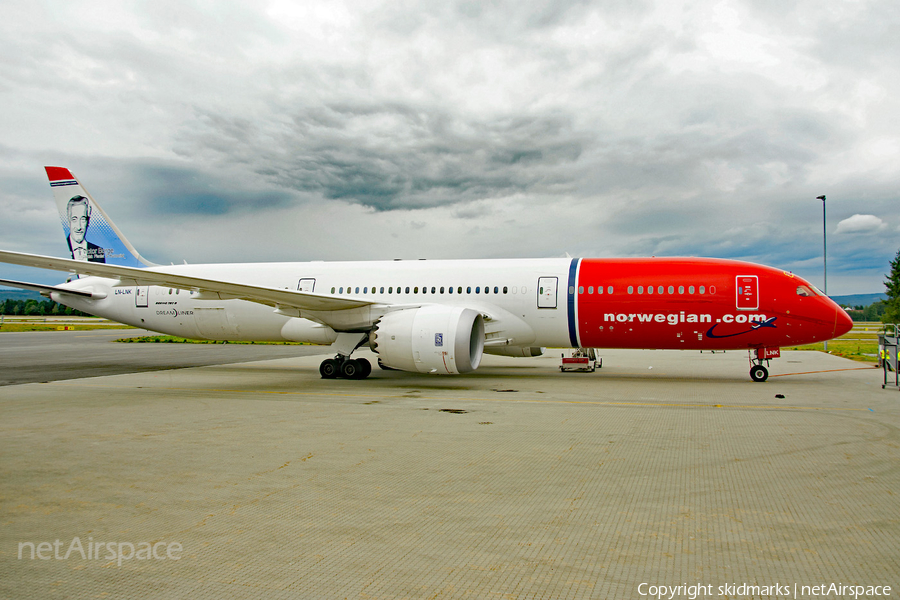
point(872, 312)
point(37, 308)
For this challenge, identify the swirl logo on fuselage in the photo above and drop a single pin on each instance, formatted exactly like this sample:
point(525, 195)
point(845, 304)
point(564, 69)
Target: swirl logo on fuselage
point(770, 322)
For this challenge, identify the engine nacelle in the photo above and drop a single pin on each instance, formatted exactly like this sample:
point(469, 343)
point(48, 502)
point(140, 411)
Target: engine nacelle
point(517, 351)
point(430, 339)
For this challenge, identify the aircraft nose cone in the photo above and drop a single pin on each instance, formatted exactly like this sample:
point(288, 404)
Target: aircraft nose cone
point(842, 322)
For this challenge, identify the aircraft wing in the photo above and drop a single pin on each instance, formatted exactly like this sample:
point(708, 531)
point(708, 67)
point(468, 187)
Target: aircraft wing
point(44, 289)
point(275, 297)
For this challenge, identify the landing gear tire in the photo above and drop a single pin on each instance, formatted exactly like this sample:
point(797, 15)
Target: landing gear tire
point(356, 369)
point(365, 366)
point(329, 369)
point(759, 373)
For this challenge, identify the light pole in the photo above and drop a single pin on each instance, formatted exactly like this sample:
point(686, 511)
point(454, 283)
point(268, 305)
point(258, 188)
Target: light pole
point(824, 254)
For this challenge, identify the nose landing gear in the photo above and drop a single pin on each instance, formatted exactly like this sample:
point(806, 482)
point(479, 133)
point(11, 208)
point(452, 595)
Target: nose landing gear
point(757, 371)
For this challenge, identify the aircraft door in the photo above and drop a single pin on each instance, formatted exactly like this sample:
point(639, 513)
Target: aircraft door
point(747, 287)
point(546, 290)
point(141, 297)
point(307, 284)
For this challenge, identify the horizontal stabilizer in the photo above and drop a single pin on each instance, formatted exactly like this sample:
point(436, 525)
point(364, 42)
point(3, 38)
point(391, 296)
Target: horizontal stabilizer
point(43, 289)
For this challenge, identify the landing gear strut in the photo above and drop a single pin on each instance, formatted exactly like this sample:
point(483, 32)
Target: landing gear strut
point(347, 368)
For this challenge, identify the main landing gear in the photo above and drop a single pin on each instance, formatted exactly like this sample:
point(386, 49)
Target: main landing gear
point(342, 365)
point(347, 368)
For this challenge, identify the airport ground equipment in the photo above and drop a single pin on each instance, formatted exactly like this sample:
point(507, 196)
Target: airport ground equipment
point(887, 355)
point(583, 359)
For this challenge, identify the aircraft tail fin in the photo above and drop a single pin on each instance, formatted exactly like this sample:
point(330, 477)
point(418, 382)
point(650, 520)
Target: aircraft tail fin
point(90, 233)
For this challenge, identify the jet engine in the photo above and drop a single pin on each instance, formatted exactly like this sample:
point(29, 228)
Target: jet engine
point(430, 339)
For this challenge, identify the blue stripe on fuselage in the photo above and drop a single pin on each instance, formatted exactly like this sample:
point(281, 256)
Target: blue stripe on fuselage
point(570, 291)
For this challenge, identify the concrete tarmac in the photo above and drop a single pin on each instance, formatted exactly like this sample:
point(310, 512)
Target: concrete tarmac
point(260, 479)
point(40, 356)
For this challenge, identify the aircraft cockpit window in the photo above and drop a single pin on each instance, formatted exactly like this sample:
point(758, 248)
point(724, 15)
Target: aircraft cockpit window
point(803, 290)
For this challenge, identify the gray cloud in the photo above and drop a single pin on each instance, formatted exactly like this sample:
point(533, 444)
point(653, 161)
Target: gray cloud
point(395, 156)
point(515, 128)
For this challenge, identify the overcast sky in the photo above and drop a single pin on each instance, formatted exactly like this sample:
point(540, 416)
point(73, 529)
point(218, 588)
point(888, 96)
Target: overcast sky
point(289, 130)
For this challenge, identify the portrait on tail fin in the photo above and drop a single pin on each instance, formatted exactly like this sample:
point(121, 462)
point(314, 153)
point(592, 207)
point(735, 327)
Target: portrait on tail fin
point(78, 212)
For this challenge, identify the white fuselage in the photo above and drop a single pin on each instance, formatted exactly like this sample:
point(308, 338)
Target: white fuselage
point(507, 291)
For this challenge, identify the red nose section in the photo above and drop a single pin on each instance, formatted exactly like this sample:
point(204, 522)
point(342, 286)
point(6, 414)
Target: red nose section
point(842, 322)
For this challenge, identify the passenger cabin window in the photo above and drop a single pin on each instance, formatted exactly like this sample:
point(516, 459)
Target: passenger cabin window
point(630, 289)
point(702, 289)
point(671, 289)
point(640, 289)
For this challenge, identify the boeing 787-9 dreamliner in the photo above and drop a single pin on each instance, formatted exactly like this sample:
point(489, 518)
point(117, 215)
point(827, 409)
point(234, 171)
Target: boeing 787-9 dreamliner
point(435, 316)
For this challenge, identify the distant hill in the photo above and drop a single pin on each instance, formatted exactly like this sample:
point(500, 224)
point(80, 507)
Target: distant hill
point(8, 294)
point(858, 299)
